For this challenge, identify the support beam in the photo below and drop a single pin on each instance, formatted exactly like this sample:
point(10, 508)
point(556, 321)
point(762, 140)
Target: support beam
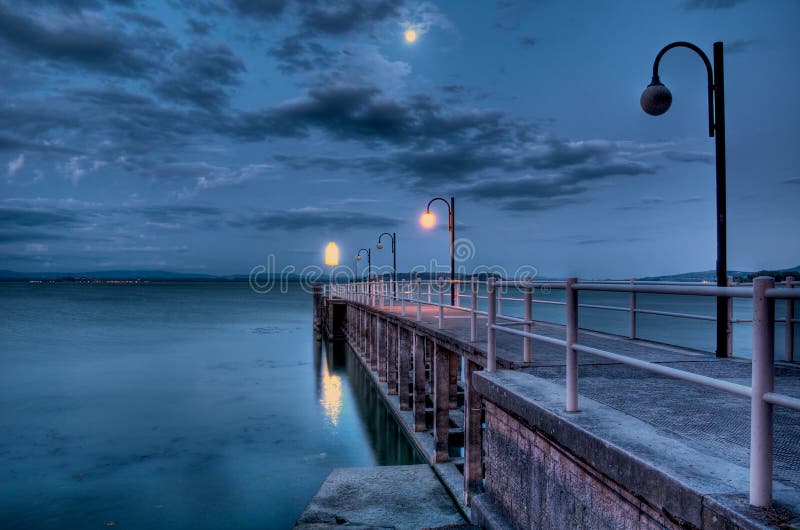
point(473, 436)
point(391, 358)
point(419, 383)
point(441, 403)
point(404, 353)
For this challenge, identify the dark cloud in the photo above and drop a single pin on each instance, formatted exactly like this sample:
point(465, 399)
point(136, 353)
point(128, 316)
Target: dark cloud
point(793, 180)
point(346, 16)
point(198, 27)
point(141, 19)
point(686, 156)
point(315, 218)
point(262, 9)
point(528, 42)
point(79, 5)
point(296, 54)
point(90, 42)
point(691, 5)
point(201, 74)
point(12, 218)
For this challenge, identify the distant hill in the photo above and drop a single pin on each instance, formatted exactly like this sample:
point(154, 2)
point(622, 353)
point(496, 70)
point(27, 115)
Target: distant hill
point(711, 276)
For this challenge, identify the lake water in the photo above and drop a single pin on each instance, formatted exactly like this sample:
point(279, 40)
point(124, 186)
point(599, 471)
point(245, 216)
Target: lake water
point(174, 406)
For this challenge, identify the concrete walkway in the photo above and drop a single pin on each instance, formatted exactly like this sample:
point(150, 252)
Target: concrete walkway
point(399, 497)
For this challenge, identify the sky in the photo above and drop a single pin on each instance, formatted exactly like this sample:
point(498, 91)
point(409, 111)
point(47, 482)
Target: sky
point(213, 136)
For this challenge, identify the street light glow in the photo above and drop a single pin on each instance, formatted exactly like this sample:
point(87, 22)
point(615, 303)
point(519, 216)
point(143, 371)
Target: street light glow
point(331, 254)
point(427, 220)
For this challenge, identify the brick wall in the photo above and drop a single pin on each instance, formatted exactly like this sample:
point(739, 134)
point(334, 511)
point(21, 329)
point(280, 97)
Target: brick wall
point(535, 483)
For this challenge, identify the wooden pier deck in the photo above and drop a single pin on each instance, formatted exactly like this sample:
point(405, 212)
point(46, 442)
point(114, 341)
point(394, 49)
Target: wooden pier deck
point(695, 435)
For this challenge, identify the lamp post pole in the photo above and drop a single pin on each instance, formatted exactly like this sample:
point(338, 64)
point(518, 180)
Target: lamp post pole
point(451, 226)
point(369, 260)
point(656, 100)
point(379, 246)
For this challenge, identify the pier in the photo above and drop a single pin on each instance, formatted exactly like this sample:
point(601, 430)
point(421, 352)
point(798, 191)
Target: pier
point(531, 424)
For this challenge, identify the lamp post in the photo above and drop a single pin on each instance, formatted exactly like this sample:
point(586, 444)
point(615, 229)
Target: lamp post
point(428, 220)
point(379, 246)
point(369, 260)
point(656, 100)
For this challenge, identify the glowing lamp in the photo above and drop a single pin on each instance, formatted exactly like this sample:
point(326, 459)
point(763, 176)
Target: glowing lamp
point(428, 220)
point(358, 257)
point(331, 254)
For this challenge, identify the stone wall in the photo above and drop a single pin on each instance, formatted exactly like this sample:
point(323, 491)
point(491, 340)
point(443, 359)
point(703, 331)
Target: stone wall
point(535, 483)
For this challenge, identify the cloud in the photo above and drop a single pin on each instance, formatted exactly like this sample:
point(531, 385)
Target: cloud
point(793, 180)
point(141, 19)
point(315, 218)
point(15, 165)
point(346, 16)
point(295, 54)
point(198, 27)
point(687, 156)
point(85, 39)
point(693, 5)
point(739, 45)
point(261, 9)
point(528, 42)
point(201, 74)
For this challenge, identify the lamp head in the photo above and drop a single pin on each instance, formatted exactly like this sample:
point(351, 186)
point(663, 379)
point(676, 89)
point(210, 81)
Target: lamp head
point(427, 220)
point(656, 98)
point(358, 257)
point(379, 245)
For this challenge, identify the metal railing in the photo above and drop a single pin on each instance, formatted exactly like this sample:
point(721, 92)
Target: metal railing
point(763, 292)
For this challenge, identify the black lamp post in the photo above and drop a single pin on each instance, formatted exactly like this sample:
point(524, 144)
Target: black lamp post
point(369, 260)
point(655, 100)
point(428, 220)
point(379, 246)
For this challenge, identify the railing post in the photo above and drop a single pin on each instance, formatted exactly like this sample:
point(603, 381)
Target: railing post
point(762, 383)
point(391, 294)
point(632, 315)
point(527, 342)
point(402, 299)
point(729, 322)
point(473, 316)
point(419, 299)
point(429, 290)
point(441, 304)
point(789, 341)
point(491, 356)
point(572, 338)
point(455, 286)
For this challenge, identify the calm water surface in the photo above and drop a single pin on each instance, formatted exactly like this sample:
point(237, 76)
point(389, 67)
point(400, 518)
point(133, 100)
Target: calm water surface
point(174, 406)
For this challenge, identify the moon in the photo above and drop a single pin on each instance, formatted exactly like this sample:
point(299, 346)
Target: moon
point(410, 35)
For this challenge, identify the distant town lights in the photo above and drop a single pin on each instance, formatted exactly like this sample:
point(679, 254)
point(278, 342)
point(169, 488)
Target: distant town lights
point(332, 254)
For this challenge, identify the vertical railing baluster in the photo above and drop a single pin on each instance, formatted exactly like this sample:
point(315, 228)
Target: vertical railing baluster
point(572, 338)
point(762, 383)
point(527, 342)
point(632, 310)
point(441, 304)
point(491, 355)
point(789, 340)
point(473, 316)
point(419, 299)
